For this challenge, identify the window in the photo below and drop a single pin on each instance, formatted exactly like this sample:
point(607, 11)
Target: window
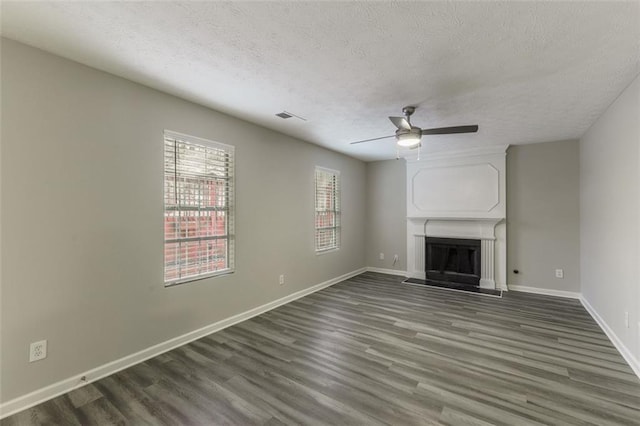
point(198, 208)
point(327, 209)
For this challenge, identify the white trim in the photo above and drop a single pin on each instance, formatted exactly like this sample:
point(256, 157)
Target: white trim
point(624, 351)
point(545, 291)
point(387, 271)
point(41, 395)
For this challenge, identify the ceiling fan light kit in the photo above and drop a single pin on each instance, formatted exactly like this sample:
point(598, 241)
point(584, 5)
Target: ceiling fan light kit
point(408, 139)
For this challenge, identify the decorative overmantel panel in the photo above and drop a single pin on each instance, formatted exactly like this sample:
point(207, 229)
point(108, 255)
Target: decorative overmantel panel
point(462, 188)
point(459, 195)
point(464, 184)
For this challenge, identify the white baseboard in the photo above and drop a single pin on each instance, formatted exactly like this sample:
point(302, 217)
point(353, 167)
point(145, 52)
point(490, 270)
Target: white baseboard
point(387, 271)
point(624, 351)
point(41, 395)
point(545, 291)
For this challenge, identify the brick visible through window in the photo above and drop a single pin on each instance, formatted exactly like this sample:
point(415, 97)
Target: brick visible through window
point(327, 209)
point(198, 208)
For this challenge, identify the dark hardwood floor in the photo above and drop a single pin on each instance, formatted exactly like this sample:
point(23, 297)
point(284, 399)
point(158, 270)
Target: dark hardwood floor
point(373, 351)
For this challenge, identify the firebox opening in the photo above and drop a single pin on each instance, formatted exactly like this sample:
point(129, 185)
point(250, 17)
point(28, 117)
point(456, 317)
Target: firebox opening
point(453, 260)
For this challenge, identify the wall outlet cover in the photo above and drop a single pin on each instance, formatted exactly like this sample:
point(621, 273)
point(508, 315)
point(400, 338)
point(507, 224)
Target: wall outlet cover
point(38, 351)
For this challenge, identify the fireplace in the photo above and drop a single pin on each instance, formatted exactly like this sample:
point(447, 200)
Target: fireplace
point(459, 195)
point(454, 260)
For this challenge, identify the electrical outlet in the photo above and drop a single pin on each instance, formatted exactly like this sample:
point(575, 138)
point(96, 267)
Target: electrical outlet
point(626, 319)
point(395, 259)
point(38, 351)
point(282, 279)
point(381, 256)
point(559, 273)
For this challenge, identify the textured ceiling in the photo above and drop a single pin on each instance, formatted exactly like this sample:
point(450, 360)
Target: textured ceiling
point(523, 71)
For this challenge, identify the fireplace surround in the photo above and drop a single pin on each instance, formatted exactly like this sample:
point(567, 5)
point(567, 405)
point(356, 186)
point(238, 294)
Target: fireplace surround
point(490, 233)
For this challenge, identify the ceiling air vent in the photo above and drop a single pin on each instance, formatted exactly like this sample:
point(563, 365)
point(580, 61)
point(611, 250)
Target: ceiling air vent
point(285, 114)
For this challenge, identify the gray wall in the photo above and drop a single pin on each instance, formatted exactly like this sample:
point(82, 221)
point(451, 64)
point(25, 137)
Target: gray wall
point(543, 215)
point(610, 217)
point(82, 212)
point(386, 224)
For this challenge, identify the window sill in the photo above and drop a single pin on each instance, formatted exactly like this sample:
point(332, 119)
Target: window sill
point(327, 251)
point(198, 278)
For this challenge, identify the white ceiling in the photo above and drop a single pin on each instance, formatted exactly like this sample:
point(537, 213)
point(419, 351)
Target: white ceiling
point(523, 71)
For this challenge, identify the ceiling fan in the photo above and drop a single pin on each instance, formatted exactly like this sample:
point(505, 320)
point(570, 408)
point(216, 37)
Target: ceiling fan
point(408, 136)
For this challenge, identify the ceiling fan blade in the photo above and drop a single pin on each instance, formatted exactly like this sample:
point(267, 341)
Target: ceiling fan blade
point(400, 123)
point(374, 139)
point(450, 130)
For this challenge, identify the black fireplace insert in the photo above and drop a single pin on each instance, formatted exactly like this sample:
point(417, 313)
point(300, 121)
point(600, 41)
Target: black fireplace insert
point(453, 260)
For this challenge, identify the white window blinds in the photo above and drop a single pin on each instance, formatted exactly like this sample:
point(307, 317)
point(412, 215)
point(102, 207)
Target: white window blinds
point(198, 208)
point(327, 209)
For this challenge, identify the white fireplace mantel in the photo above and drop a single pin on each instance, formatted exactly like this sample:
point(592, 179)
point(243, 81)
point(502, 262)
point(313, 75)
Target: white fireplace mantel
point(459, 196)
point(468, 228)
point(458, 227)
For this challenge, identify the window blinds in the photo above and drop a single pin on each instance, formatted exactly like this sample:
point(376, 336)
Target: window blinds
point(327, 209)
point(198, 208)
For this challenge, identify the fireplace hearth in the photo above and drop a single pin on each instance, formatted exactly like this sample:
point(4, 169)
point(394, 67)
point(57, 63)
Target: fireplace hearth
point(453, 260)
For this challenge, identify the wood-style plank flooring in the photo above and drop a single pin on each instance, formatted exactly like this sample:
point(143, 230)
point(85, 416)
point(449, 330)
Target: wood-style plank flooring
point(373, 351)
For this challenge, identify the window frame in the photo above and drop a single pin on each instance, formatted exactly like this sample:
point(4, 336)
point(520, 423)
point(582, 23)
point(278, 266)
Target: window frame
point(229, 209)
point(337, 211)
